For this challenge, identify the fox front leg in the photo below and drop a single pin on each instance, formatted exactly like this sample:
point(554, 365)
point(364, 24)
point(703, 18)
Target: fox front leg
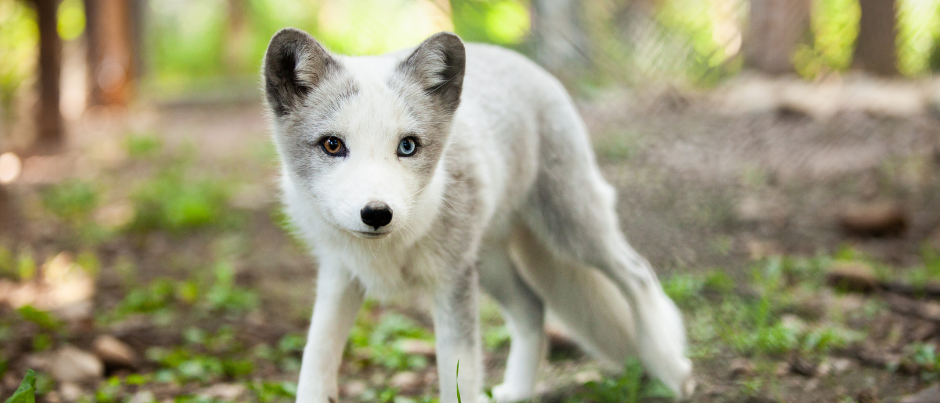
point(457, 334)
point(338, 300)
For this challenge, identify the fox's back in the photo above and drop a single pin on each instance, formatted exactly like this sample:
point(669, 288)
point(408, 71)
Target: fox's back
point(505, 108)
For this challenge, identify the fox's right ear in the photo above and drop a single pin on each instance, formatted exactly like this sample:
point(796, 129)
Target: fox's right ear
point(293, 65)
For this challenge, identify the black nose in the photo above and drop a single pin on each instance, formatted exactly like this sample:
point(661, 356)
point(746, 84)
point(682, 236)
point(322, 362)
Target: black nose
point(376, 214)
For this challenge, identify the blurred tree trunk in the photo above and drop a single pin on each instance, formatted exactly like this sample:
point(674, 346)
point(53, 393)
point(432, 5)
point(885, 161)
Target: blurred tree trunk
point(237, 34)
point(875, 48)
point(776, 27)
point(561, 45)
point(110, 32)
point(49, 118)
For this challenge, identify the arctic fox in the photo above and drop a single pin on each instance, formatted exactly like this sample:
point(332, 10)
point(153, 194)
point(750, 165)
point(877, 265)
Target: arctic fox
point(435, 170)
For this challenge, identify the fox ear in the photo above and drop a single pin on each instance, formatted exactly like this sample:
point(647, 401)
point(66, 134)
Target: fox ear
point(294, 64)
point(438, 65)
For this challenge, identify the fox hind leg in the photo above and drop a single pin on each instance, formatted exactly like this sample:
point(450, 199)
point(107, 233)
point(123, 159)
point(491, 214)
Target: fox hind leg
point(524, 313)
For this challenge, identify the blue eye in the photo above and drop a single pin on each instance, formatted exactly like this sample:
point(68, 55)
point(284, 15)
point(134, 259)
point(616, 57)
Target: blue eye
point(407, 147)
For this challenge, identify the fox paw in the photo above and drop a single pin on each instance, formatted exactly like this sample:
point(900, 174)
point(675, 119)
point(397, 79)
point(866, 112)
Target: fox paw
point(504, 393)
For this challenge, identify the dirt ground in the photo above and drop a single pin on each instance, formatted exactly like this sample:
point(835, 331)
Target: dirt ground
point(216, 308)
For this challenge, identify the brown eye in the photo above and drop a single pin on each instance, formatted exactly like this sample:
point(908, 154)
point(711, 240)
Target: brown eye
point(333, 146)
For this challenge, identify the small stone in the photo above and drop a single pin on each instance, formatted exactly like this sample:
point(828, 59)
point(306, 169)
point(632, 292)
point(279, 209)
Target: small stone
point(793, 322)
point(417, 347)
point(840, 365)
point(406, 382)
point(803, 366)
point(144, 396)
point(823, 369)
point(223, 391)
point(355, 388)
point(852, 276)
point(867, 396)
point(584, 377)
point(782, 369)
point(741, 367)
point(874, 220)
point(114, 352)
point(73, 365)
point(70, 391)
point(929, 395)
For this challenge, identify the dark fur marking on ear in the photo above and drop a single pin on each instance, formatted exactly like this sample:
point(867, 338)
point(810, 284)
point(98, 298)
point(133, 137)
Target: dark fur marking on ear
point(294, 64)
point(438, 64)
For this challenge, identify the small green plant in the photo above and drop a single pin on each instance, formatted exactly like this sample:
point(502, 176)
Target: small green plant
point(173, 202)
point(379, 341)
point(141, 146)
point(683, 288)
point(71, 200)
point(630, 387)
point(26, 393)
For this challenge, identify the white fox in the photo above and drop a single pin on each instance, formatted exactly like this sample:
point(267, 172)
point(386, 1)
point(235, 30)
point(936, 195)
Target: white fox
point(438, 169)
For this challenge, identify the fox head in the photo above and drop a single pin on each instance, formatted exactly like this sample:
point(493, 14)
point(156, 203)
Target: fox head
point(362, 136)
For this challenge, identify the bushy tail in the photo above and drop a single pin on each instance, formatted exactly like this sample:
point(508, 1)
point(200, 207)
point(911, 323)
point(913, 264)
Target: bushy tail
point(589, 306)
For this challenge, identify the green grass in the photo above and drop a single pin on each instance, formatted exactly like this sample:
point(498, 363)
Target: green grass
point(72, 200)
point(175, 202)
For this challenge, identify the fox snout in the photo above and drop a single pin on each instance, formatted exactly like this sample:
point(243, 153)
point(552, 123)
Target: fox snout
point(376, 214)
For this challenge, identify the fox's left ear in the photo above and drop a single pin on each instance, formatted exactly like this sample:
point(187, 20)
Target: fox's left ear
point(438, 65)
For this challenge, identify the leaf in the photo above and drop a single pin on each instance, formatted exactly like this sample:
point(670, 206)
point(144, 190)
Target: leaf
point(26, 393)
point(457, 382)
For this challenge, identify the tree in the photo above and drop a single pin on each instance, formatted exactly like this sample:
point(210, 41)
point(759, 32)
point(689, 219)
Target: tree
point(875, 47)
point(48, 118)
point(111, 32)
point(560, 43)
point(776, 27)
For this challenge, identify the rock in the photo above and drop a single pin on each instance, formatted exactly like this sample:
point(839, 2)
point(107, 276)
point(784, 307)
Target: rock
point(114, 353)
point(793, 322)
point(223, 391)
point(73, 365)
point(803, 366)
point(840, 365)
point(852, 276)
point(741, 367)
point(406, 382)
point(584, 377)
point(929, 395)
point(70, 391)
point(762, 249)
point(354, 388)
point(143, 396)
point(417, 347)
point(867, 396)
point(874, 220)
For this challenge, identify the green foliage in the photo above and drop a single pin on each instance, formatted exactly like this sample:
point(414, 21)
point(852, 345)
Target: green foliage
point(273, 391)
point(630, 387)
point(918, 24)
point(379, 341)
point(683, 288)
point(71, 19)
point(834, 26)
point(926, 358)
point(224, 295)
point(26, 393)
point(176, 202)
point(140, 146)
point(72, 200)
point(505, 22)
point(44, 319)
point(19, 37)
